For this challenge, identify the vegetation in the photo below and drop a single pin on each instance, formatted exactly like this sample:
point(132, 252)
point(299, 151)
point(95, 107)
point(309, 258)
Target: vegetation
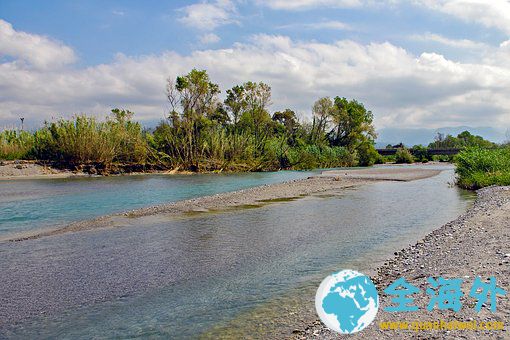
point(403, 155)
point(420, 153)
point(463, 140)
point(203, 133)
point(16, 144)
point(478, 167)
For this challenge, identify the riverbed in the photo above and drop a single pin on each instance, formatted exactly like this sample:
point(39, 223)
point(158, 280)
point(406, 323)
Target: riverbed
point(190, 276)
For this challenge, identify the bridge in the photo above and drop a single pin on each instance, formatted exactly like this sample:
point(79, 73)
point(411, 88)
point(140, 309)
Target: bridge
point(431, 152)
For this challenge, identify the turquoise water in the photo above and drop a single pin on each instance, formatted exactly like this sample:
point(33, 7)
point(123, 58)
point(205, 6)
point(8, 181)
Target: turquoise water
point(29, 204)
point(179, 278)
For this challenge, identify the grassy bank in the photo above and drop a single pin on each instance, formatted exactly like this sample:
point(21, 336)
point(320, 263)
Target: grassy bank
point(479, 167)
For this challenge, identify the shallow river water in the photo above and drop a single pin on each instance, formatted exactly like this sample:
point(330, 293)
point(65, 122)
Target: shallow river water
point(28, 204)
point(179, 278)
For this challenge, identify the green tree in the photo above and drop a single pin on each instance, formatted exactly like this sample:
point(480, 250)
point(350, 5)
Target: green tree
point(256, 117)
point(323, 109)
point(192, 97)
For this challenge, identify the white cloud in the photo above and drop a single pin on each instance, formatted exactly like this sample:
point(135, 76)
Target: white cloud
point(457, 43)
point(36, 50)
point(209, 15)
point(209, 38)
point(425, 90)
point(305, 4)
point(493, 13)
point(321, 25)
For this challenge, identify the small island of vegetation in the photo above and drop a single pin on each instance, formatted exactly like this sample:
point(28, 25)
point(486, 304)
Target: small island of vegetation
point(202, 133)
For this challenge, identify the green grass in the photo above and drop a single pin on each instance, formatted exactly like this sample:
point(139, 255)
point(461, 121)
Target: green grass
point(478, 168)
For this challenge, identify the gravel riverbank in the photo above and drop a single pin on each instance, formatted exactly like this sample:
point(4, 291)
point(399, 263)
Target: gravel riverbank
point(475, 244)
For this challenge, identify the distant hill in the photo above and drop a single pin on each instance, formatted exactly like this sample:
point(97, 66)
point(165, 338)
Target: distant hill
point(412, 137)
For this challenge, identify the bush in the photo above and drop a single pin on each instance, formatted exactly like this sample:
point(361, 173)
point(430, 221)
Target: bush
point(421, 153)
point(313, 156)
point(367, 154)
point(16, 145)
point(477, 167)
point(403, 156)
point(85, 140)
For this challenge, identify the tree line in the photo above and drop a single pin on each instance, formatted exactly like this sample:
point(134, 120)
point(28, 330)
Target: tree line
point(204, 133)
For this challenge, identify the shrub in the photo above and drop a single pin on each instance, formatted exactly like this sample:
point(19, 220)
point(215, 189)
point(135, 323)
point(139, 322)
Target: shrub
point(477, 167)
point(367, 154)
point(403, 156)
point(16, 145)
point(421, 153)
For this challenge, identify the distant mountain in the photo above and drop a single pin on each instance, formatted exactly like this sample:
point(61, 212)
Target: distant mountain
point(412, 137)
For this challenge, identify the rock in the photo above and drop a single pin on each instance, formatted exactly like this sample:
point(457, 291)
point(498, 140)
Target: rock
point(92, 170)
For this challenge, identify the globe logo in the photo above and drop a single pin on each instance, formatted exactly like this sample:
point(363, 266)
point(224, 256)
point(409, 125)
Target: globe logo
point(347, 301)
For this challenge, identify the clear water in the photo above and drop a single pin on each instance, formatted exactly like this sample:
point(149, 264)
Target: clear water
point(29, 204)
point(179, 278)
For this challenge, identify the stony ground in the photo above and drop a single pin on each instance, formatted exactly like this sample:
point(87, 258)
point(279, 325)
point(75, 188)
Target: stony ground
point(475, 244)
point(383, 173)
point(27, 169)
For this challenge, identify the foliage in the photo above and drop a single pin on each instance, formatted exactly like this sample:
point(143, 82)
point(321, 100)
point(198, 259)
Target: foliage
point(16, 145)
point(80, 141)
point(403, 155)
point(463, 140)
point(478, 167)
point(421, 153)
point(202, 133)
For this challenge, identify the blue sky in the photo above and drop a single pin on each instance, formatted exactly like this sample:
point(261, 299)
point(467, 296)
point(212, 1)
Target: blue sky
point(98, 30)
point(421, 63)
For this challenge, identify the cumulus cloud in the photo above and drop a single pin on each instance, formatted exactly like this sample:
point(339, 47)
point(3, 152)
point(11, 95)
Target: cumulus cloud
point(209, 15)
point(401, 88)
point(209, 38)
point(493, 13)
point(36, 50)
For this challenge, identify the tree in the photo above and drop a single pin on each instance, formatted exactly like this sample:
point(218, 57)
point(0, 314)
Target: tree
point(322, 110)
point(192, 97)
point(235, 102)
point(288, 119)
point(353, 129)
point(258, 99)
point(352, 124)
point(463, 140)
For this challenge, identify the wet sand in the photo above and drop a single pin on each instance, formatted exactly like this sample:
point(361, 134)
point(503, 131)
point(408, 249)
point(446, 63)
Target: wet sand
point(475, 244)
point(330, 181)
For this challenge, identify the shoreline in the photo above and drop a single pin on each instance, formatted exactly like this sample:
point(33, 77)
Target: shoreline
point(253, 197)
point(474, 244)
point(30, 170)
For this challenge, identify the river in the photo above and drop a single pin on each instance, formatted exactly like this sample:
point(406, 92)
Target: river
point(27, 204)
point(183, 277)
